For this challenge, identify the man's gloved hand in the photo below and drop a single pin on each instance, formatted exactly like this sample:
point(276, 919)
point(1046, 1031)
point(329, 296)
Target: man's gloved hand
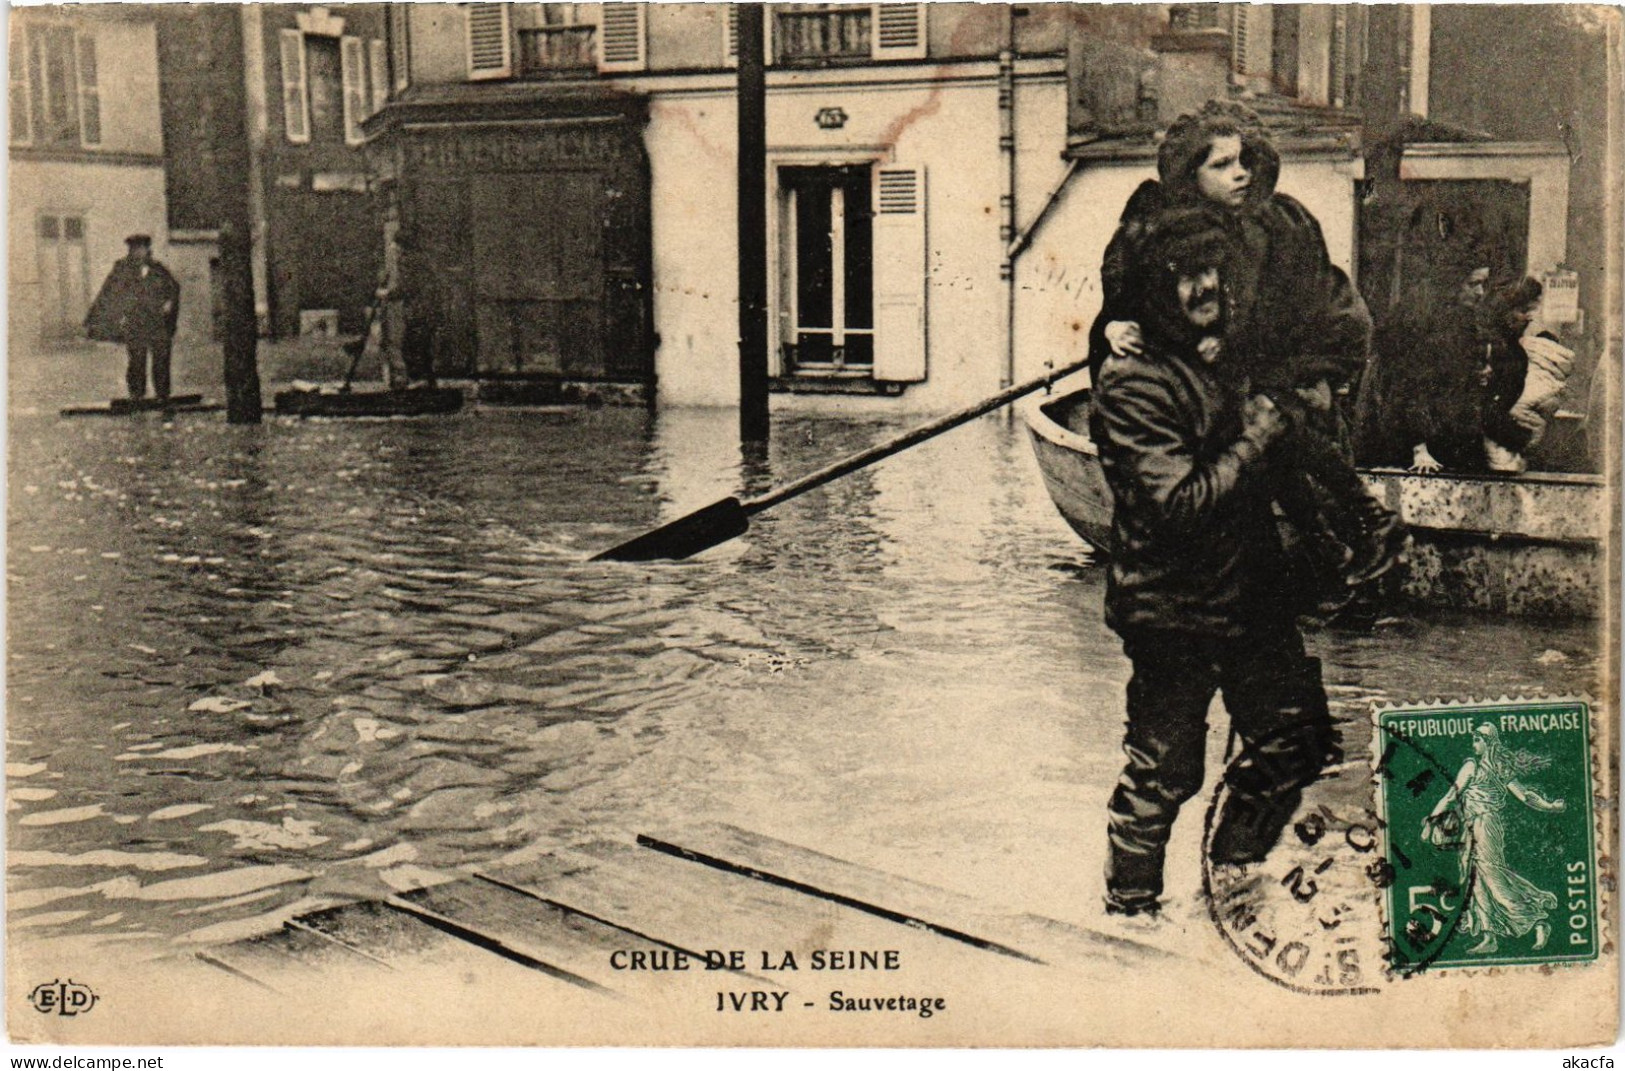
point(1261, 421)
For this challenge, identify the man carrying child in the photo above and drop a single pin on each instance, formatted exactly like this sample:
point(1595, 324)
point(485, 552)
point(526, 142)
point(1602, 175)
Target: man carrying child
point(1295, 326)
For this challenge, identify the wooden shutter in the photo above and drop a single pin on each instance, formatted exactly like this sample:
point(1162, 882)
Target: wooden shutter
point(353, 65)
point(1340, 58)
point(90, 94)
point(897, 31)
point(295, 90)
point(490, 51)
point(378, 67)
point(899, 274)
point(1252, 45)
point(22, 108)
point(730, 36)
point(400, 45)
point(621, 37)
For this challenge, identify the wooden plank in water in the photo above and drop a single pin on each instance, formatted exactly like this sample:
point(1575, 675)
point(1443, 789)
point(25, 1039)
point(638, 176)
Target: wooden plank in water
point(738, 851)
point(567, 940)
point(674, 902)
point(423, 401)
point(500, 940)
point(282, 961)
point(179, 403)
point(408, 940)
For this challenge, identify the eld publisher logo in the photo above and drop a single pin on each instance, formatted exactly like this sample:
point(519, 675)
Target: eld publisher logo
point(62, 998)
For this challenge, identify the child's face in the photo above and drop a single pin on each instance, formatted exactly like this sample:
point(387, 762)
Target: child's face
point(1223, 178)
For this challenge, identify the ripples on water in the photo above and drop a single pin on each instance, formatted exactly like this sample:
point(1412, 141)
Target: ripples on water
point(252, 669)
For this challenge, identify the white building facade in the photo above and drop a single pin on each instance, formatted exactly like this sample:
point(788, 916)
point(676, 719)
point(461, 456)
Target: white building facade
point(86, 155)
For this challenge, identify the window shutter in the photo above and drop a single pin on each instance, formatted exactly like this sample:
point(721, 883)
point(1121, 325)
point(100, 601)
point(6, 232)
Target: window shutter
point(22, 117)
point(730, 42)
point(353, 65)
point(295, 92)
point(400, 46)
point(90, 94)
point(1340, 58)
point(1252, 44)
point(490, 53)
point(377, 66)
point(897, 31)
point(899, 274)
point(621, 37)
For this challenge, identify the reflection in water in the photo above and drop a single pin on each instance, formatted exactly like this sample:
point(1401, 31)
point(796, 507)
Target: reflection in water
point(255, 666)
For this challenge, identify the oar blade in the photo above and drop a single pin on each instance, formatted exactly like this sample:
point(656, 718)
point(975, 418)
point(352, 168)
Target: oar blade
point(686, 536)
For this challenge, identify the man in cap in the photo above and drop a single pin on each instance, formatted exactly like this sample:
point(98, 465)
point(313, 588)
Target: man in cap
point(1197, 583)
point(138, 305)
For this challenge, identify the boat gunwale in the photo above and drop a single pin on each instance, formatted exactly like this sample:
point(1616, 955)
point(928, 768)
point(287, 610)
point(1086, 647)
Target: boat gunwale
point(1061, 435)
point(1041, 423)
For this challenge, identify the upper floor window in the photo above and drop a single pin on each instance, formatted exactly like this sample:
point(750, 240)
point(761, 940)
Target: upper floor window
point(1301, 52)
point(547, 40)
point(810, 33)
point(330, 85)
point(55, 87)
point(821, 31)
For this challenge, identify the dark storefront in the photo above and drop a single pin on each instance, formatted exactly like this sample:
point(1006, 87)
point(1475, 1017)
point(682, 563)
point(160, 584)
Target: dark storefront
point(533, 216)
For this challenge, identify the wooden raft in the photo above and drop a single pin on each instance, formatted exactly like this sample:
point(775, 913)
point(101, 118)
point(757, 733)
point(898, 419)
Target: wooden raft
point(417, 401)
point(175, 403)
point(555, 922)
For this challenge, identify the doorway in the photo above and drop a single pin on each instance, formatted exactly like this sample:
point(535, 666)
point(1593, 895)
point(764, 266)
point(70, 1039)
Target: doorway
point(64, 274)
point(1423, 237)
point(826, 271)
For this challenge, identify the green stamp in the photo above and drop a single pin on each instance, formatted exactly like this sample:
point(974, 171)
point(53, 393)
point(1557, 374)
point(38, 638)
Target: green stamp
point(1490, 844)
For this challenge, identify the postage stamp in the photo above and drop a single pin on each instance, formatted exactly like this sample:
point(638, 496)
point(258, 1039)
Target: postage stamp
point(1490, 834)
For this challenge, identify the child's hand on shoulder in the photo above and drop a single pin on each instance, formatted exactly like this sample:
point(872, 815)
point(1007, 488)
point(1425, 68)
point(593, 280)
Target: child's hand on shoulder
point(1124, 338)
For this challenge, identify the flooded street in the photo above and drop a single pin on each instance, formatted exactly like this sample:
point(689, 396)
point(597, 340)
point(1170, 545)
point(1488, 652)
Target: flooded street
point(253, 669)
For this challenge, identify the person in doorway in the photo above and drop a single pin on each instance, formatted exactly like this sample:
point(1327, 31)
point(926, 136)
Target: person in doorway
point(1423, 410)
point(1194, 585)
point(1297, 325)
point(1526, 373)
point(138, 305)
point(417, 294)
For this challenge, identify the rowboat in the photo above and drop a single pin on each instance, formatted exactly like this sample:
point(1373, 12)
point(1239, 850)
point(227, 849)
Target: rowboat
point(1528, 545)
point(1070, 465)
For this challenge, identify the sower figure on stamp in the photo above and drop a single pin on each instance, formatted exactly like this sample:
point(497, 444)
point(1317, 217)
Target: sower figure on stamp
point(1296, 323)
point(138, 305)
point(1502, 903)
point(1195, 587)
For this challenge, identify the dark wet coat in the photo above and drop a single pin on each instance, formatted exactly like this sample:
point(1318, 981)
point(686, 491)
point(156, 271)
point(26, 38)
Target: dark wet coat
point(1425, 387)
point(1295, 317)
point(130, 305)
point(1195, 546)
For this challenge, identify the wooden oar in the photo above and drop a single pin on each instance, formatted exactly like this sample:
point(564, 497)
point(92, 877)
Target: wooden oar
point(721, 521)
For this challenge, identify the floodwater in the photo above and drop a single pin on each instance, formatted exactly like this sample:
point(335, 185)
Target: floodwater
point(256, 669)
